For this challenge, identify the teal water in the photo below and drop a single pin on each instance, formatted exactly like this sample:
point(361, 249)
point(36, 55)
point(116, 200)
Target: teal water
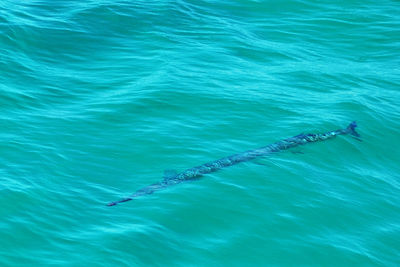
point(99, 98)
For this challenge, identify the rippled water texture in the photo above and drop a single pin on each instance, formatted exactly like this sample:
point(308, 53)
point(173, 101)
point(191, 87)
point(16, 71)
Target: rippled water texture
point(98, 98)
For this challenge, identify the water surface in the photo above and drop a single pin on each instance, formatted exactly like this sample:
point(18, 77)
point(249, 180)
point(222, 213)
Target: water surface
point(99, 98)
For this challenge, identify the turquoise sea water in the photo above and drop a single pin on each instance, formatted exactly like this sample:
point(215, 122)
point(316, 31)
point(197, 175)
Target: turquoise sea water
point(98, 98)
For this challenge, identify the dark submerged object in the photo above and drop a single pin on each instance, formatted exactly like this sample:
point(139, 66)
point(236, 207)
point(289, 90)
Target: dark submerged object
point(171, 177)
